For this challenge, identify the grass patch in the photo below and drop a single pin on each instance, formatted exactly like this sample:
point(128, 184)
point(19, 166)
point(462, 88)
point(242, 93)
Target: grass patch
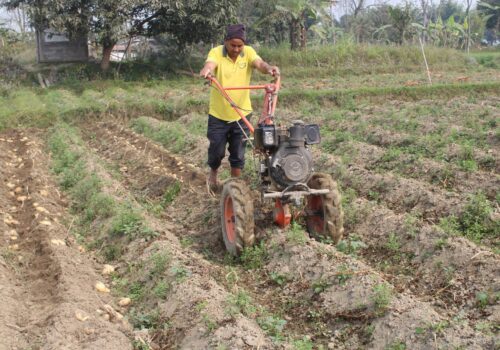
point(254, 257)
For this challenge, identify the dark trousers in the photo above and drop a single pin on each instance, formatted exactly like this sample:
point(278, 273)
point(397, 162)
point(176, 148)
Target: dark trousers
point(220, 133)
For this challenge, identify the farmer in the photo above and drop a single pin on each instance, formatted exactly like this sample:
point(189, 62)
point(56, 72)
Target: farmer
point(232, 65)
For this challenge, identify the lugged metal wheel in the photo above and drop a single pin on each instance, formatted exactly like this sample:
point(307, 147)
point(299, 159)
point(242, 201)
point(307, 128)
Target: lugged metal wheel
point(324, 214)
point(237, 216)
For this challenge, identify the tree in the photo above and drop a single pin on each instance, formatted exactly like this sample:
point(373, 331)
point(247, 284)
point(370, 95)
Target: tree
point(299, 15)
point(490, 10)
point(401, 18)
point(110, 20)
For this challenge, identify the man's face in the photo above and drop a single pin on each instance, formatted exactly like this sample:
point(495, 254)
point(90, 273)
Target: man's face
point(234, 47)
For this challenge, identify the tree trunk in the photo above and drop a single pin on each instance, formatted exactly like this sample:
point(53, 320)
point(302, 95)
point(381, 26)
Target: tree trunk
point(303, 38)
point(293, 35)
point(106, 55)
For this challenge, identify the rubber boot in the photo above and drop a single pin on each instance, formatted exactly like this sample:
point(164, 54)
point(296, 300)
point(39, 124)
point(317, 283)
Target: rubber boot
point(235, 172)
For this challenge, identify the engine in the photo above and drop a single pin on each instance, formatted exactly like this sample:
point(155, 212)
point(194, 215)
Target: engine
point(287, 161)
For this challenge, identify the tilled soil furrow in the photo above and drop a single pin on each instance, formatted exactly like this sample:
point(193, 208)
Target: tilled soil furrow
point(399, 194)
point(196, 304)
point(449, 178)
point(342, 292)
point(437, 147)
point(56, 303)
point(446, 270)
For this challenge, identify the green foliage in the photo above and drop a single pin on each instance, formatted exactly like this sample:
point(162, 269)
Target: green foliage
point(272, 326)
point(396, 345)
point(393, 243)
point(254, 257)
point(141, 320)
point(320, 286)
point(278, 278)
point(100, 206)
point(126, 223)
point(482, 299)
point(209, 323)
point(343, 274)
point(159, 261)
point(351, 245)
point(475, 221)
point(382, 295)
point(173, 136)
point(170, 194)
point(242, 303)
point(303, 344)
point(296, 234)
point(180, 273)
point(161, 289)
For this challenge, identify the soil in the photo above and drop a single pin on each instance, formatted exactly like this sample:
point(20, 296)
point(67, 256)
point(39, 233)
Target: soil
point(423, 294)
point(47, 282)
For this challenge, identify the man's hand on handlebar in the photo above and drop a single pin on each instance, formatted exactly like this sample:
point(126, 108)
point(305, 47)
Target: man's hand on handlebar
point(205, 73)
point(274, 71)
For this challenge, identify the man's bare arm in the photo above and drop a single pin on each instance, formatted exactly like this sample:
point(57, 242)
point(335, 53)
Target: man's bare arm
point(208, 69)
point(266, 68)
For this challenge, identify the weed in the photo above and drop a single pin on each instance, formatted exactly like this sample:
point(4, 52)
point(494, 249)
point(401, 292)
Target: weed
point(351, 245)
point(382, 295)
point(303, 344)
point(272, 326)
point(126, 223)
point(450, 225)
point(320, 286)
point(343, 275)
point(368, 330)
point(254, 257)
point(136, 291)
point(475, 221)
point(201, 305)
point(410, 224)
point(441, 243)
point(159, 261)
point(83, 191)
point(482, 299)
point(112, 252)
point(161, 289)
point(139, 344)
point(439, 327)
point(209, 323)
point(186, 242)
point(145, 320)
point(279, 279)
point(100, 206)
point(373, 195)
point(180, 273)
point(129, 223)
point(393, 242)
point(396, 345)
point(242, 303)
point(420, 330)
point(296, 234)
point(486, 327)
point(232, 277)
point(170, 194)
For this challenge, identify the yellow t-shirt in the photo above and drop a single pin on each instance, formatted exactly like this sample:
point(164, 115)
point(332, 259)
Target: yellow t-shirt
point(231, 74)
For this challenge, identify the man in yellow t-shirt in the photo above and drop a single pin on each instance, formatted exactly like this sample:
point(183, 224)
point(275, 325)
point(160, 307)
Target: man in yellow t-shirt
point(232, 65)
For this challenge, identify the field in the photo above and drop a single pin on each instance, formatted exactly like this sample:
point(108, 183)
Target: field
point(112, 172)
